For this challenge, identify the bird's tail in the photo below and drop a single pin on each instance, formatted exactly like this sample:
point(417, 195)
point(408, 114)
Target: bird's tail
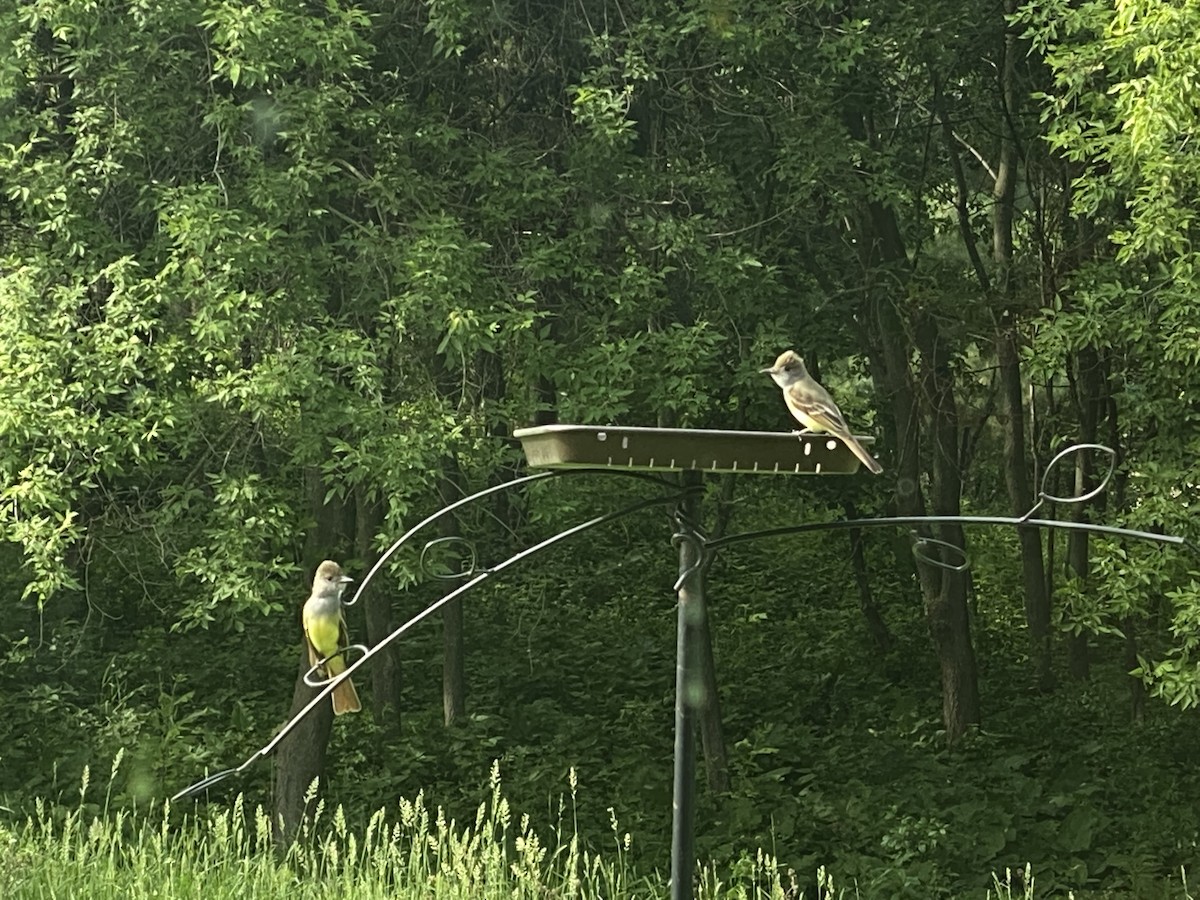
point(345, 697)
point(861, 452)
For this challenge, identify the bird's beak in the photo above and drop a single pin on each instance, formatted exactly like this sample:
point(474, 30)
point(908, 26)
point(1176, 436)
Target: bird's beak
point(344, 579)
point(767, 371)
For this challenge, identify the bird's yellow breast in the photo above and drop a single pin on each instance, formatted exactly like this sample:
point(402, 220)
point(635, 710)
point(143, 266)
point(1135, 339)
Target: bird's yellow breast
point(324, 632)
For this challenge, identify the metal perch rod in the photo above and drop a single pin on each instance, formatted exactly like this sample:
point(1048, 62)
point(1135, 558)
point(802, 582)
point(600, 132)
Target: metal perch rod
point(934, 520)
point(327, 687)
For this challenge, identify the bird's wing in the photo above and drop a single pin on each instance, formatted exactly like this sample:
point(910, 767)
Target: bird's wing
point(819, 408)
point(313, 656)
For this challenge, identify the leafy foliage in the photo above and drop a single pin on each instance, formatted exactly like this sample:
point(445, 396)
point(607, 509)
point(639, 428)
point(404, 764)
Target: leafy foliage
point(278, 279)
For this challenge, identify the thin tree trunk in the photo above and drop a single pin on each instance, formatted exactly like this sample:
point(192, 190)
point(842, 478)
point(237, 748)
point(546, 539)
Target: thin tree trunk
point(1016, 468)
point(1078, 654)
point(1037, 604)
point(1087, 389)
point(299, 760)
point(454, 691)
point(877, 628)
point(386, 673)
point(1116, 491)
point(326, 539)
point(1020, 497)
point(1056, 481)
point(1137, 688)
point(882, 246)
point(946, 609)
point(301, 755)
point(892, 386)
point(944, 592)
point(712, 732)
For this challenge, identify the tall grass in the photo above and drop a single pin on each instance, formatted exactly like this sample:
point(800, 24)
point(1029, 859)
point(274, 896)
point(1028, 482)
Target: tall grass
point(403, 853)
point(407, 852)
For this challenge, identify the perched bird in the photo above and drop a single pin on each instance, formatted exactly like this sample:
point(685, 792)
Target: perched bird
point(325, 631)
point(813, 407)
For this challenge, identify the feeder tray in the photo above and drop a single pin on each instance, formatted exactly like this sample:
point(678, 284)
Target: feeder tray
point(683, 449)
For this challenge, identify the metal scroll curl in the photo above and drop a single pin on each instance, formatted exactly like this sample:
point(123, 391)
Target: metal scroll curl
point(326, 687)
point(310, 677)
point(1044, 494)
point(922, 543)
point(470, 555)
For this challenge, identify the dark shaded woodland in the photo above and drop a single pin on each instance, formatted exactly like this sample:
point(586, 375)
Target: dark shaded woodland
point(278, 280)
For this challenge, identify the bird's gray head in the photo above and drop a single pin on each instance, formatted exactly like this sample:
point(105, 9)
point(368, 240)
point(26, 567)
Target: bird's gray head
point(788, 369)
point(330, 579)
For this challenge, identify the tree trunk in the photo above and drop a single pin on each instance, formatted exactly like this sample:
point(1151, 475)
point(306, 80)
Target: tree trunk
point(386, 673)
point(881, 246)
point(712, 733)
point(505, 504)
point(1116, 492)
point(1020, 497)
point(299, 760)
point(1041, 443)
point(946, 606)
point(877, 628)
point(301, 755)
point(326, 540)
point(1137, 688)
point(944, 592)
point(1016, 468)
point(454, 691)
point(1086, 383)
point(1078, 654)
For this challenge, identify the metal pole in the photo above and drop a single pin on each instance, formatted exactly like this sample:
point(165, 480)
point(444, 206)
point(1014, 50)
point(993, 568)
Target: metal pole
point(688, 686)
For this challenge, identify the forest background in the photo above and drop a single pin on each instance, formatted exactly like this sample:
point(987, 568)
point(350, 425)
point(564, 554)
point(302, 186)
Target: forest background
point(278, 279)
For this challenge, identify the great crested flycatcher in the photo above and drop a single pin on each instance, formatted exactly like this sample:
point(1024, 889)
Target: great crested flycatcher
point(813, 407)
point(325, 631)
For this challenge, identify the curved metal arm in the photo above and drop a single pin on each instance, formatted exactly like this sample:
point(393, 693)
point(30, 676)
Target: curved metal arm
point(920, 542)
point(525, 479)
point(329, 686)
point(960, 520)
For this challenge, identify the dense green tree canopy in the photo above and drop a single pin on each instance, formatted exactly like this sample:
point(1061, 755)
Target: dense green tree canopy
point(278, 279)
